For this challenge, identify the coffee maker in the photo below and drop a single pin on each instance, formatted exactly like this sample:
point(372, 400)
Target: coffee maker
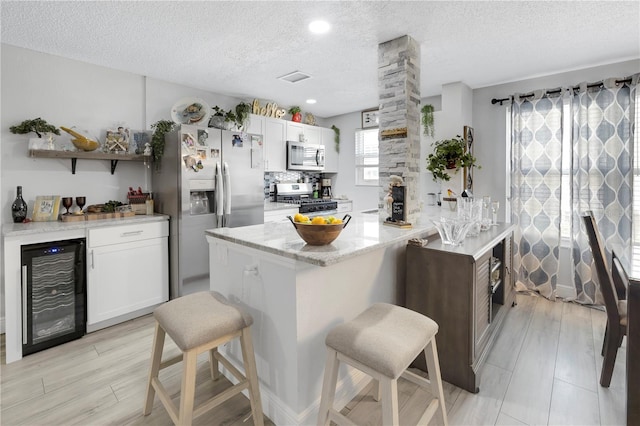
point(326, 189)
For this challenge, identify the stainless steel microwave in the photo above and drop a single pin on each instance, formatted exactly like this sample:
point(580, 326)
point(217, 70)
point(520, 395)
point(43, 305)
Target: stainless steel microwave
point(304, 156)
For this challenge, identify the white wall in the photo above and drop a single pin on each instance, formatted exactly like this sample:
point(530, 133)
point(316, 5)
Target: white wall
point(69, 93)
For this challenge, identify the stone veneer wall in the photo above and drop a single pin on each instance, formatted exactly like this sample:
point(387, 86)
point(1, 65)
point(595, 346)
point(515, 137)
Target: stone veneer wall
point(399, 97)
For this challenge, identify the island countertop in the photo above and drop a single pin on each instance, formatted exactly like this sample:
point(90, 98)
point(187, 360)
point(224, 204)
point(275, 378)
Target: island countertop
point(364, 233)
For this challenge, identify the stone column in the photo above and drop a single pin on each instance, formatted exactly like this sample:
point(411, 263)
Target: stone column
point(399, 119)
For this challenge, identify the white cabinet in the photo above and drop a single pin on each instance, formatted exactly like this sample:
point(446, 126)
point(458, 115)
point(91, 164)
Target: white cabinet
point(127, 270)
point(275, 145)
point(345, 207)
point(312, 134)
point(255, 124)
point(330, 153)
point(279, 215)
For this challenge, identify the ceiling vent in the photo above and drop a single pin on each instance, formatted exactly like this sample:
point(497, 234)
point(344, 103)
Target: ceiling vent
point(294, 77)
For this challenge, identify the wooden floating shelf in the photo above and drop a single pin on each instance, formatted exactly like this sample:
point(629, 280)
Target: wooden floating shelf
point(88, 155)
point(394, 133)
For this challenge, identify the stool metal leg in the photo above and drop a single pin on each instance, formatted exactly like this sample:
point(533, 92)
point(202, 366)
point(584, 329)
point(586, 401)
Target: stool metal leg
point(433, 367)
point(156, 358)
point(251, 373)
point(328, 386)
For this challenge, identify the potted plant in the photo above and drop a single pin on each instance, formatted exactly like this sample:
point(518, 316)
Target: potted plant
point(449, 154)
point(427, 120)
point(296, 114)
point(222, 119)
point(243, 110)
point(37, 126)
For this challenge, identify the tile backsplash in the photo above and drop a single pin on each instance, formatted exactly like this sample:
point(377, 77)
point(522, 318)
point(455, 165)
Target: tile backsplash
point(271, 178)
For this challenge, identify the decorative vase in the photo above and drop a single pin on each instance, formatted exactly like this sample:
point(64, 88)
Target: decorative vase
point(297, 117)
point(19, 208)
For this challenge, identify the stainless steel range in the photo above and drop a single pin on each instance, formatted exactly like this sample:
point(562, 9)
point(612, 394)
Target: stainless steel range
point(301, 194)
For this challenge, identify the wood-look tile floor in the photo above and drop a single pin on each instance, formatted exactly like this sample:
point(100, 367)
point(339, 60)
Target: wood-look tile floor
point(543, 369)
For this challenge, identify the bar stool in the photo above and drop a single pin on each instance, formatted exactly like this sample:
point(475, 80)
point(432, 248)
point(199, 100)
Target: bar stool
point(197, 323)
point(383, 341)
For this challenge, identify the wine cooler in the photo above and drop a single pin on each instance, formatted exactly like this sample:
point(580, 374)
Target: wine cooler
point(53, 294)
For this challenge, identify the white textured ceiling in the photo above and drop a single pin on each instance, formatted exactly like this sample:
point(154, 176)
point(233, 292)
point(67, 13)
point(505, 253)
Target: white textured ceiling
point(239, 48)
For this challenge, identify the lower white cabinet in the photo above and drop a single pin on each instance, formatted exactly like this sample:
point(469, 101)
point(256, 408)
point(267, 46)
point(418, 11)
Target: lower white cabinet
point(127, 270)
point(279, 215)
point(345, 206)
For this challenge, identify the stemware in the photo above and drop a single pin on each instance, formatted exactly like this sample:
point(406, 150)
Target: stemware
point(67, 202)
point(81, 201)
point(494, 210)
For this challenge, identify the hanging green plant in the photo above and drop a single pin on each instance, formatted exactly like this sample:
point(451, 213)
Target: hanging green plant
point(427, 120)
point(37, 126)
point(242, 114)
point(161, 128)
point(449, 154)
point(336, 137)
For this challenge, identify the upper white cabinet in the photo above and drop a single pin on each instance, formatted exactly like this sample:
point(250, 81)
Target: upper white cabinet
point(330, 153)
point(312, 134)
point(275, 145)
point(255, 124)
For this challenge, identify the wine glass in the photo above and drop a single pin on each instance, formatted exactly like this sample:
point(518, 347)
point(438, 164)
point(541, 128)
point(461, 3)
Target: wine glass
point(494, 210)
point(486, 204)
point(81, 201)
point(67, 202)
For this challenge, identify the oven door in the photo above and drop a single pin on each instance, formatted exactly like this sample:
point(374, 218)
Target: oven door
point(303, 156)
point(324, 213)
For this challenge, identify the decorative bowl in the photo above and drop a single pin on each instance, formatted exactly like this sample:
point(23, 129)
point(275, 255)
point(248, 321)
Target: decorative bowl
point(452, 230)
point(319, 235)
point(85, 144)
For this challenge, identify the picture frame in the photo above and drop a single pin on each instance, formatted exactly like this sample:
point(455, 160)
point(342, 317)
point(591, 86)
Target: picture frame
point(370, 118)
point(139, 138)
point(468, 171)
point(46, 208)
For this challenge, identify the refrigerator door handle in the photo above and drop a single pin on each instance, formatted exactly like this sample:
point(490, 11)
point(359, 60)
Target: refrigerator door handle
point(219, 195)
point(226, 174)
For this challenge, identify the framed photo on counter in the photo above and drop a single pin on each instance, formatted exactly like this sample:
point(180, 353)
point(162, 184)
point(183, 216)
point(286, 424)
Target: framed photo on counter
point(46, 208)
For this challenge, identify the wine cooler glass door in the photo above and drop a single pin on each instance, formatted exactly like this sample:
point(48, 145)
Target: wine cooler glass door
point(53, 294)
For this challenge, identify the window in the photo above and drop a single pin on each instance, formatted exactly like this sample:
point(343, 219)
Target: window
point(367, 157)
point(635, 206)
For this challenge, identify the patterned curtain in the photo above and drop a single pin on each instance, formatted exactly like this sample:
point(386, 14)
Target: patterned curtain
point(536, 168)
point(602, 174)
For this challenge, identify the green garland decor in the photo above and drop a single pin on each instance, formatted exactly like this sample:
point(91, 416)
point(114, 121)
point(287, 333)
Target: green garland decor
point(336, 137)
point(161, 128)
point(427, 120)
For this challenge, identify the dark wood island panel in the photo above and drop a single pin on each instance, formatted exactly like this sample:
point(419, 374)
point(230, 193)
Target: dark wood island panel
point(466, 290)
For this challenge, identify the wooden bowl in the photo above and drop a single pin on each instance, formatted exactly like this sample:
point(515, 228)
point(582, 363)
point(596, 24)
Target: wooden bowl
point(319, 235)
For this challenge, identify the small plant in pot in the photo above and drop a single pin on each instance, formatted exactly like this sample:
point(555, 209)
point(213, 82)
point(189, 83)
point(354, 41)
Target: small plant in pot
point(449, 154)
point(37, 126)
point(222, 119)
point(296, 114)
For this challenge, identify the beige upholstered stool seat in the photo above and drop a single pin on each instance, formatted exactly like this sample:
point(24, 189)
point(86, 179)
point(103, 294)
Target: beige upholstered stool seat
point(385, 337)
point(382, 342)
point(201, 322)
point(199, 318)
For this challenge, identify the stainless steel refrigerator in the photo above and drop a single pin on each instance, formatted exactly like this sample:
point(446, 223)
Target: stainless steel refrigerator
point(207, 178)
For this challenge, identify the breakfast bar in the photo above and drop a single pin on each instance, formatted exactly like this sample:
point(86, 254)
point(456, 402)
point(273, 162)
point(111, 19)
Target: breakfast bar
point(297, 292)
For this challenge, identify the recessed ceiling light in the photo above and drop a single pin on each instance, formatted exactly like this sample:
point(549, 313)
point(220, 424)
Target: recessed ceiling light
point(311, 101)
point(319, 27)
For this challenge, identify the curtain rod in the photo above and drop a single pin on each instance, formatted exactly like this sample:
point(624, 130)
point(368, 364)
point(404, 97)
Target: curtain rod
point(551, 92)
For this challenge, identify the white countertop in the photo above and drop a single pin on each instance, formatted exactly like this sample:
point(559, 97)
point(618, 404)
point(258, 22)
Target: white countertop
point(364, 233)
point(20, 229)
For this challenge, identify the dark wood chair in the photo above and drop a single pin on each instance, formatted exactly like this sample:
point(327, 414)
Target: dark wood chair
point(616, 309)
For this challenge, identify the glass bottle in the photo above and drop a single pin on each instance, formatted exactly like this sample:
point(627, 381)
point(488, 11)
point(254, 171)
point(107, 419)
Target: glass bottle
point(19, 208)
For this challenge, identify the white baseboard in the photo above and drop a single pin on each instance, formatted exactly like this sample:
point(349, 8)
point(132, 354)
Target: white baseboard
point(2, 325)
point(565, 291)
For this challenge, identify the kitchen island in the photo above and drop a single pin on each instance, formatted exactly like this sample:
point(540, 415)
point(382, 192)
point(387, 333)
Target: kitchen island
point(296, 293)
